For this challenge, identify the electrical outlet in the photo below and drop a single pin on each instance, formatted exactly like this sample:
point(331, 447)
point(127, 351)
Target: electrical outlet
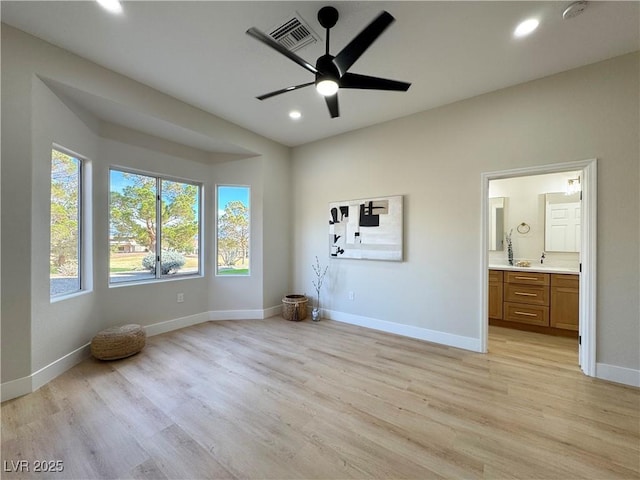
point(180, 298)
point(352, 296)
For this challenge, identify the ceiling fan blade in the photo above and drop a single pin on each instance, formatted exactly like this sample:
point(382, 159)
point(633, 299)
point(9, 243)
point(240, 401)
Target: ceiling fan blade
point(258, 35)
point(284, 90)
point(332, 103)
point(349, 54)
point(353, 80)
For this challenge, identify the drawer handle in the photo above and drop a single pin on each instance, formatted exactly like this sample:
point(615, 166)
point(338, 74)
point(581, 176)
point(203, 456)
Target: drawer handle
point(527, 278)
point(523, 294)
point(526, 314)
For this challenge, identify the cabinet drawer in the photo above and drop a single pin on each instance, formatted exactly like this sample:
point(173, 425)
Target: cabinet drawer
point(569, 281)
point(528, 278)
point(531, 314)
point(531, 294)
point(495, 276)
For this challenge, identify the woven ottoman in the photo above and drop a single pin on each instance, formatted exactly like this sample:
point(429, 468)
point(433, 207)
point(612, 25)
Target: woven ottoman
point(118, 342)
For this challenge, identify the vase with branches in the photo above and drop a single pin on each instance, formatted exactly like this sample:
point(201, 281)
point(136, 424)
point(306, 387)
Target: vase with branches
point(510, 247)
point(317, 284)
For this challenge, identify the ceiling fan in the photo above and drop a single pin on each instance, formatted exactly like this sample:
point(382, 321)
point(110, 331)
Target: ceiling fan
point(332, 71)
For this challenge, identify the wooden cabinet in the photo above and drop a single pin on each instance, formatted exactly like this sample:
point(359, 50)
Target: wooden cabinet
point(565, 300)
point(543, 302)
point(526, 298)
point(495, 294)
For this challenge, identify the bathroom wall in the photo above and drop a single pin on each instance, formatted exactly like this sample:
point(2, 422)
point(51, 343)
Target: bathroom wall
point(525, 202)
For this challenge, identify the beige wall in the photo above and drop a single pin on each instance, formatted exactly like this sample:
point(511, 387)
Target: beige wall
point(436, 158)
point(37, 333)
point(228, 292)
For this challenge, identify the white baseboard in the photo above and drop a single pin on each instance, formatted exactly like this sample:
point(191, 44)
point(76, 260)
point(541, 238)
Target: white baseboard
point(213, 315)
point(257, 314)
point(58, 367)
point(25, 385)
point(176, 323)
point(272, 311)
point(15, 388)
point(216, 315)
point(443, 338)
point(613, 373)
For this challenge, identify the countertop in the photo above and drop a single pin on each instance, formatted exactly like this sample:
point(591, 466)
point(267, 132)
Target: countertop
point(537, 268)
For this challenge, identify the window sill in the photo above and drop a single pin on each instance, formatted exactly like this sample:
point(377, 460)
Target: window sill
point(151, 281)
point(69, 296)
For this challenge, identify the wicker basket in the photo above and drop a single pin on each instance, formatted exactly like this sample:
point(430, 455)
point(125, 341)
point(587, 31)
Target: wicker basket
point(118, 342)
point(294, 307)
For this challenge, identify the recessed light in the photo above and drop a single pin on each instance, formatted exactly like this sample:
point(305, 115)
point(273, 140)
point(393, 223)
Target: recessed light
point(295, 114)
point(111, 5)
point(526, 27)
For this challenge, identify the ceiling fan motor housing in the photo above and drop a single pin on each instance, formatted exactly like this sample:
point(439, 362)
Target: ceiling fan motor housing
point(327, 70)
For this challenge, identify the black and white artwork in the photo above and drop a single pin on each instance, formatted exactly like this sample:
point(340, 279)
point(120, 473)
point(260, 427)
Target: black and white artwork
point(368, 229)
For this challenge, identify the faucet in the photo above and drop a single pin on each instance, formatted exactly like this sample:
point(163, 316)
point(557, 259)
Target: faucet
point(542, 258)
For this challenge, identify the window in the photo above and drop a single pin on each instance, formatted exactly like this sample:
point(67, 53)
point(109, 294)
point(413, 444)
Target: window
point(233, 230)
point(147, 215)
point(65, 259)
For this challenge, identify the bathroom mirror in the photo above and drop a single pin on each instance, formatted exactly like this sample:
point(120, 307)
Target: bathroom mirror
point(496, 223)
point(562, 222)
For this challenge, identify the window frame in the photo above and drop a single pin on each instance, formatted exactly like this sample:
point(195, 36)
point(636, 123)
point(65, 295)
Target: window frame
point(217, 224)
point(81, 257)
point(158, 276)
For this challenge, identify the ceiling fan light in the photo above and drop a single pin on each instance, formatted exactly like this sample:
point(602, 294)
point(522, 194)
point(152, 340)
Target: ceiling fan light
point(327, 87)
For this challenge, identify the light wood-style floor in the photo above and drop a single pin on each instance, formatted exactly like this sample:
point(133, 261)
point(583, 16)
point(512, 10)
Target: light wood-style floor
point(277, 399)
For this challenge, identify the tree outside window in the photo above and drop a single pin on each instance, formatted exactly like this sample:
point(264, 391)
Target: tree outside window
point(152, 218)
point(65, 224)
point(233, 230)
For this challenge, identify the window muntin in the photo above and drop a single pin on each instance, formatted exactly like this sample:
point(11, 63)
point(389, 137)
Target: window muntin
point(65, 241)
point(143, 248)
point(233, 232)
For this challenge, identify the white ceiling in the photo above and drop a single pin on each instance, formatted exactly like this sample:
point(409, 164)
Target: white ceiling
point(199, 53)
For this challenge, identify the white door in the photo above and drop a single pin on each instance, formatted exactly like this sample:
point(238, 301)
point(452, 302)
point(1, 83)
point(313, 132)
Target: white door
point(563, 227)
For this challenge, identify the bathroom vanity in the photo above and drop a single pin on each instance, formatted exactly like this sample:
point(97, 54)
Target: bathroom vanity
point(543, 299)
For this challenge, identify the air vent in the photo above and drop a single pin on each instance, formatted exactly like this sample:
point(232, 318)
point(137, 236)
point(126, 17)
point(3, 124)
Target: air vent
point(293, 33)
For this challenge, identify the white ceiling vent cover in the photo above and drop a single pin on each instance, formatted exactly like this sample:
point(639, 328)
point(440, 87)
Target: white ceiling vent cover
point(293, 33)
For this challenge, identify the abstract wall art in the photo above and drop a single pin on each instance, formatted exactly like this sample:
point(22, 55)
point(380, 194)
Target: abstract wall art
point(368, 229)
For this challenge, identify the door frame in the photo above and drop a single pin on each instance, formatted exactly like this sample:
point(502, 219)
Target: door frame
point(588, 290)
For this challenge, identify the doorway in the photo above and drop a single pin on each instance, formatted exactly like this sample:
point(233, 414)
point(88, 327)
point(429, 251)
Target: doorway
point(587, 294)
